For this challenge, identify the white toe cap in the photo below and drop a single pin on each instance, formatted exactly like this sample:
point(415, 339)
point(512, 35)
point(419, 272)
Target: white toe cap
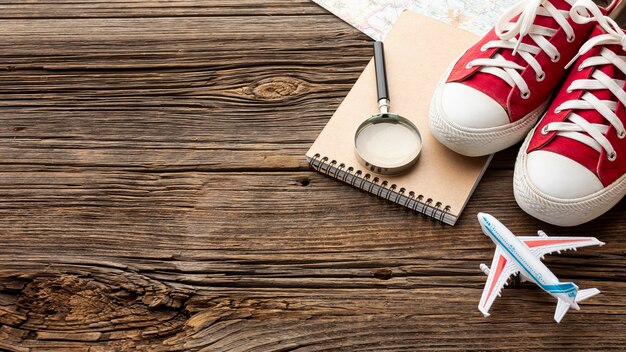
point(468, 107)
point(559, 176)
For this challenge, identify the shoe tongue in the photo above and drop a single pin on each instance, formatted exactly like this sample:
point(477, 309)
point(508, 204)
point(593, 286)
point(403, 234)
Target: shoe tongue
point(544, 21)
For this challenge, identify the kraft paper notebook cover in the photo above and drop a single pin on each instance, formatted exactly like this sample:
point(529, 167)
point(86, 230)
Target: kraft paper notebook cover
point(418, 51)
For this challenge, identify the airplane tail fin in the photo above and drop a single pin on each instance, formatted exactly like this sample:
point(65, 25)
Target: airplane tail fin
point(584, 294)
point(561, 308)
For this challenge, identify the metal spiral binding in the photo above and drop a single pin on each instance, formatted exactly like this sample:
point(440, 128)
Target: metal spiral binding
point(357, 179)
point(372, 184)
point(321, 165)
point(427, 205)
point(400, 195)
point(338, 169)
point(418, 201)
point(445, 211)
point(312, 161)
point(392, 190)
point(383, 186)
point(357, 176)
point(436, 208)
point(329, 166)
point(409, 199)
point(366, 178)
point(348, 173)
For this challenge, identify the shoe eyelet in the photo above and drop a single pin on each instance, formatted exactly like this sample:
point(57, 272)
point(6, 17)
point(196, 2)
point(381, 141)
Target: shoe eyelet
point(571, 39)
point(621, 135)
point(557, 111)
point(612, 156)
point(525, 95)
point(544, 130)
point(484, 48)
point(469, 65)
point(556, 58)
point(541, 77)
point(580, 68)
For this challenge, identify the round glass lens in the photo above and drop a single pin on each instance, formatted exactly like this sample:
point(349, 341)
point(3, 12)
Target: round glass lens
point(388, 144)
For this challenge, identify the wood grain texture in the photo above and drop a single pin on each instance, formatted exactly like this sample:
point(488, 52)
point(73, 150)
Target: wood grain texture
point(154, 197)
point(71, 9)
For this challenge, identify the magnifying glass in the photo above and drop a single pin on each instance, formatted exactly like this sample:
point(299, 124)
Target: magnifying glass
point(386, 143)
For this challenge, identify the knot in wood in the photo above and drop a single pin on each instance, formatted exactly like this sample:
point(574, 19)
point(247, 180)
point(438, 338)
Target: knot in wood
point(383, 274)
point(89, 307)
point(67, 297)
point(278, 88)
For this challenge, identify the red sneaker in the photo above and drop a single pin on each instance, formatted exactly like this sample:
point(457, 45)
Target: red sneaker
point(572, 167)
point(494, 94)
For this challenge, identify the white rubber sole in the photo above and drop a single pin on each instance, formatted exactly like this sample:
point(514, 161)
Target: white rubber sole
point(557, 211)
point(476, 141)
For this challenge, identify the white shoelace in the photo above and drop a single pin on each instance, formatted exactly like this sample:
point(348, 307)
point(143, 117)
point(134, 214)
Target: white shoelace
point(585, 11)
point(509, 71)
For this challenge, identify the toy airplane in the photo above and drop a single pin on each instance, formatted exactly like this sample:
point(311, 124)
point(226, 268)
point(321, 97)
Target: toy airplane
point(523, 254)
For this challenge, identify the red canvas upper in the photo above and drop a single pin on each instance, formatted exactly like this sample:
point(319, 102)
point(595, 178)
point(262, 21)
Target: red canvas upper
point(606, 170)
point(509, 97)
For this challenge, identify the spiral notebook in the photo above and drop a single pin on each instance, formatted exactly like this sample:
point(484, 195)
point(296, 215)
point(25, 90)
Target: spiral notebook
point(418, 51)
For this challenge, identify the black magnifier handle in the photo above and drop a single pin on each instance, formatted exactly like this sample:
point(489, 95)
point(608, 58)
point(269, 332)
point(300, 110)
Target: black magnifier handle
point(381, 77)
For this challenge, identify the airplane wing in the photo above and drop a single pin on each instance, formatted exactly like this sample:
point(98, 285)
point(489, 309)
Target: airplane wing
point(542, 245)
point(502, 268)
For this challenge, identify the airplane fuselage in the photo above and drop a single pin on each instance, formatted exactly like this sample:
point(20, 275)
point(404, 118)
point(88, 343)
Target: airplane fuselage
point(530, 266)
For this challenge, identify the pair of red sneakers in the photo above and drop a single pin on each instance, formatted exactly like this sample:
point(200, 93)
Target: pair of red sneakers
point(565, 60)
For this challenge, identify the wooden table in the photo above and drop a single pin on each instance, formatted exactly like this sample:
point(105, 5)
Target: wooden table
point(154, 196)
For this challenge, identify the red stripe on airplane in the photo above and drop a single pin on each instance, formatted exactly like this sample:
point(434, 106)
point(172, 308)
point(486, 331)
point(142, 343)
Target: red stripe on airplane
point(501, 264)
point(539, 243)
